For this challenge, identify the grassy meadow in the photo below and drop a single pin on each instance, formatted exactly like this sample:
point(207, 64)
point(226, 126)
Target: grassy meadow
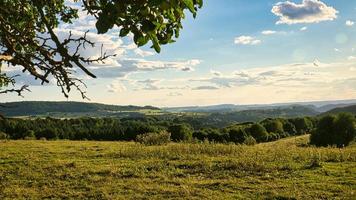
point(286, 169)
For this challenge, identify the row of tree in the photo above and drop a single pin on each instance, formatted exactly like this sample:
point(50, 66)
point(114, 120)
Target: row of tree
point(128, 129)
point(328, 130)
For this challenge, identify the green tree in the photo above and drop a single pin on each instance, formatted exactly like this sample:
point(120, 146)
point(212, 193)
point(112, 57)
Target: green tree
point(3, 136)
point(28, 37)
point(337, 130)
point(259, 132)
point(289, 128)
point(273, 126)
point(237, 135)
point(181, 132)
point(303, 125)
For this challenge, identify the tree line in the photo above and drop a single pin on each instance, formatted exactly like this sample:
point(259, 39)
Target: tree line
point(328, 130)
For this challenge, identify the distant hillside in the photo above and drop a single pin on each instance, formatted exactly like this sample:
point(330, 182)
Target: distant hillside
point(44, 108)
point(330, 107)
point(222, 119)
point(319, 106)
point(350, 109)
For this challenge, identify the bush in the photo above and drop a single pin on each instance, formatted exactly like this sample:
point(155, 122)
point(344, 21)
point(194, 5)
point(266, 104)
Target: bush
point(49, 134)
point(200, 135)
point(29, 135)
point(273, 126)
point(3, 136)
point(334, 130)
point(273, 136)
point(250, 141)
point(181, 132)
point(259, 132)
point(237, 135)
point(289, 128)
point(160, 138)
point(303, 125)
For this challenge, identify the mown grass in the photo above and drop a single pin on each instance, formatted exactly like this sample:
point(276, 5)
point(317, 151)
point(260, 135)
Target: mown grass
point(286, 169)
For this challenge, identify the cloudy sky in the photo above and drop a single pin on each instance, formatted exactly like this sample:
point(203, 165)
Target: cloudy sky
point(235, 51)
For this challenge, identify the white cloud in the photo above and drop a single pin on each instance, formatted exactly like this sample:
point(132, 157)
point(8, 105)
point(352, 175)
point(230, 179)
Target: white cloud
point(337, 50)
point(205, 88)
point(150, 84)
point(132, 65)
point(309, 11)
point(215, 73)
point(268, 32)
point(143, 53)
point(304, 28)
point(116, 87)
point(349, 23)
point(247, 40)
point(174, 94)
point(351, 58)
point(180, 65)
point(301, 76)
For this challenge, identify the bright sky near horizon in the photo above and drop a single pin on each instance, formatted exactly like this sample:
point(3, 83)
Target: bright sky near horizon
point(235, 51)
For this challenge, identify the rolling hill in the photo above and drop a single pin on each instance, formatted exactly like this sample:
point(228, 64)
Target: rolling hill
point(349, 109)
point(215, 114)
point(69, 109)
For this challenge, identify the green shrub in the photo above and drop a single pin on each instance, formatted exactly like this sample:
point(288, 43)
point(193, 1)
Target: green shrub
point(273, 136)
point(259, 132)
point(334, 130)
point(237, 135)
point(200, 135)
point(48, 133)
point(303, 125)
point(273, 126)
point(289, 128)
point(29, 138)
point(3, 136)
point(250, 141)
point(29, 135)
point(181, 132)
point(160, 138)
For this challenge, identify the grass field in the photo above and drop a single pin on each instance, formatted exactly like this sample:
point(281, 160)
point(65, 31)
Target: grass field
point(286, 169)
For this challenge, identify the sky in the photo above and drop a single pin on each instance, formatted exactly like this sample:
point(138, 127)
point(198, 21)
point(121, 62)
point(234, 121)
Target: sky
point(234, 52)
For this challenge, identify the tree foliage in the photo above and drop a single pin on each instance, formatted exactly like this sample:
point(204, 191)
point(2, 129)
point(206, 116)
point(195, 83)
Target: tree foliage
point(259, 132)
point(129, 129)
point(181, 132)
point(337, 130)
point(28, 35)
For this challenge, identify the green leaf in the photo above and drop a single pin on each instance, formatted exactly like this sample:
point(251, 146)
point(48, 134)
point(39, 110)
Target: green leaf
point(124, 32)
point(155, 43)
point(103, 24)
point(200, 3)
point(142, 41)
point(148, 26)
point(190, 5)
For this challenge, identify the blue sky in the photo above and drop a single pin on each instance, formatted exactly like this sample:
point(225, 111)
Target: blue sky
point(235, 51)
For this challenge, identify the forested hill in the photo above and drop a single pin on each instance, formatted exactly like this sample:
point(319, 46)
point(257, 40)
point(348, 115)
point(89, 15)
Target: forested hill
point(225, 118)
point(349, 109)
point(38, 108)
